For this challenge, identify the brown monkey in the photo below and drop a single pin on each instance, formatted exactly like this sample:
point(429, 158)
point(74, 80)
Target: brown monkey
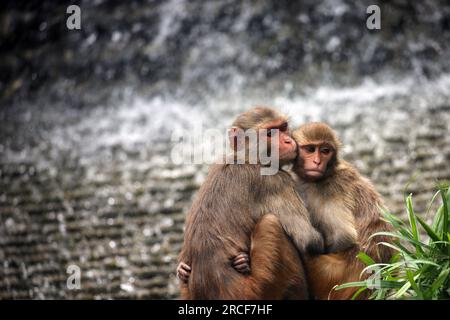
point(239, 210)
point(343, 205)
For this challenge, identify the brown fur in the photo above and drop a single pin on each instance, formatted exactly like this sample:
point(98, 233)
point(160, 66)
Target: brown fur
point(225, 215)
point(345, 207)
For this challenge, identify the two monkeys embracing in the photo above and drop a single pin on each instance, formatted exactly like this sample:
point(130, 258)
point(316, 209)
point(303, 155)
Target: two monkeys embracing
point(294, 234)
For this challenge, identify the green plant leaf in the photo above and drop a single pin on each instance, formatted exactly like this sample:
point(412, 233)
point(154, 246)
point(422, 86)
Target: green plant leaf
point(391, 284)
point(429, 230)
point(390, 245)
point(440, 280)
point(433, 199)
point(391, 234)
point(419, 261)
point(445, 206)
point(413, 283)
point(402, 290)
point(412, 217)
point(358, 292)
point(437, 222)
point(351, 285)
point(365, 258)
point(404, 249)
point(416, 270)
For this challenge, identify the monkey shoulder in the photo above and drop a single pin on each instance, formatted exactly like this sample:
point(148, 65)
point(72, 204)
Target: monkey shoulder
point(362, 184)
point(224, 188)
point(346, 173)
point(365, 199)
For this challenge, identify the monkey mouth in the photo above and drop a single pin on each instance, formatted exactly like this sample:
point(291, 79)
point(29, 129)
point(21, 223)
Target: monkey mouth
point(289, 155)
point(315, 171)
point(292, 152)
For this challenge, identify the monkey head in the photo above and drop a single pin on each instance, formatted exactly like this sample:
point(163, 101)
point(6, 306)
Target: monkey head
point(318, 149)
point(269, 126)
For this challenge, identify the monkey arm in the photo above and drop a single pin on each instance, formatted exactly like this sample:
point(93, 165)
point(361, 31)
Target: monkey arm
point(337, 225)
point(241, 263)
point(339, 238)
point(340, 243)
point(305, 237)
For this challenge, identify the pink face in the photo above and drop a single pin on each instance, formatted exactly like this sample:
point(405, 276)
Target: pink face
point(315, 158)
point(287, 147)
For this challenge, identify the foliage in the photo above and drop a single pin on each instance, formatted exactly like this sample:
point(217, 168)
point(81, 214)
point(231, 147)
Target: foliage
point(419, 268)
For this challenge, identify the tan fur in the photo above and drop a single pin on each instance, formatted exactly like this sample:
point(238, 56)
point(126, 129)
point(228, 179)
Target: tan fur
point(345, 207)
point(222, 219)
point(316, 132)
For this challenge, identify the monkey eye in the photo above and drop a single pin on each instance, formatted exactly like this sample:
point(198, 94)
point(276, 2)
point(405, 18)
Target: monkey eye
point(325, 150)
point(310, 148)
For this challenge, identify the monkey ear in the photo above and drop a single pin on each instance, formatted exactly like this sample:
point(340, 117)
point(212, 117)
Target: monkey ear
point(233, 134)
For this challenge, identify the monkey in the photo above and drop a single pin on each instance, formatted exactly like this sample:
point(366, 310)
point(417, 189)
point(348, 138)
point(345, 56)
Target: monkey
point(343, 205)
point(238, 210)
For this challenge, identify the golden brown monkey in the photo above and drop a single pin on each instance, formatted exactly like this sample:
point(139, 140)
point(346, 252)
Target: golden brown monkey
point(225, 220)
point(343, 205)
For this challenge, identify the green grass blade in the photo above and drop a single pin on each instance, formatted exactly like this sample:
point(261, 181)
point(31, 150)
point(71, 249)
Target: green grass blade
point(419, 261)
point(398, 224)
point(391, 284)
point(445, 205)
point(433, 199)
point(412, 217)
point(351, 285)
point(437, 222)
point(365, 258)
point(390, 245)
point(410, 240)
point(402, 290)
point(413, 283)
point(377, 267)
point(404, 249)
point(417, 270)
point(440, 280)
point(433, 235)
point(358, 292)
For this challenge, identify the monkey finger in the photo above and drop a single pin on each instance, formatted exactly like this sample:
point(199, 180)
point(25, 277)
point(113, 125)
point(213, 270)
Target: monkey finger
point(240, 261)
point(242, 267)
point(184, 273)
point(242, 255)
point(185, 266)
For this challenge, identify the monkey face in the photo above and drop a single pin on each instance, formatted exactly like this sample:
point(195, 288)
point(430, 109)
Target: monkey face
point(287, 148)
point(315, 158)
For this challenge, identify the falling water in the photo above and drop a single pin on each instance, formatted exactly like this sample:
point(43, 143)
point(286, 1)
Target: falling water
point(86, 120)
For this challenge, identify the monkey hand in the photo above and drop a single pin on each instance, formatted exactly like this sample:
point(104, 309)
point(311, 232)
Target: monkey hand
point(316, 244)
point(183, 272)
point(241, 263)
point(339, 243)
point(339, 247)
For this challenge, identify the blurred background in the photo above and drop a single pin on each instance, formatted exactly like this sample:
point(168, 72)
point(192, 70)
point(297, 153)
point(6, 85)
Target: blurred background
point(86, 118)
